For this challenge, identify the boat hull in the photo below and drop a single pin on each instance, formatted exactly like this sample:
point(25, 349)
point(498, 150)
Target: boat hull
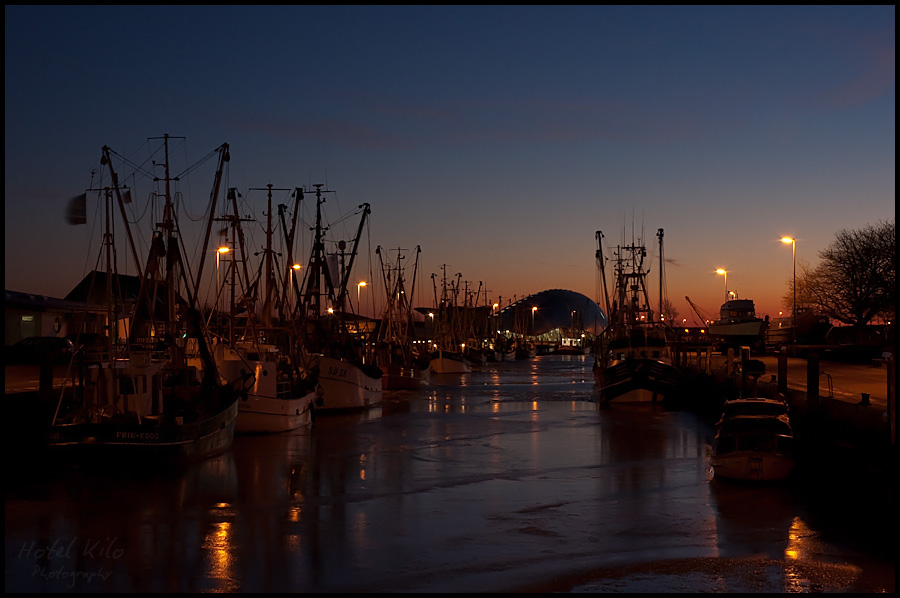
point(636, 381)
point(400, 378)
point(259, 414)
point(739, 332)
point(346, 386)
point(450, 363)
point(271, 402)
point(738, 324)
point(153, 439)
point(753, 466)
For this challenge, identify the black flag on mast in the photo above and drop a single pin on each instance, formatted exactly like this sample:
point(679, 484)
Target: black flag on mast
point(76, 213)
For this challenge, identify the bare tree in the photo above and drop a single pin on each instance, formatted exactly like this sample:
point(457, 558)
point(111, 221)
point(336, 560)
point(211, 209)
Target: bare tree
point(669, 311)
point(805, 300)
point(855, 281)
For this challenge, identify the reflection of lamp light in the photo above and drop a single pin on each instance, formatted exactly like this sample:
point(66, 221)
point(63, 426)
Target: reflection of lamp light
point(725, 273)
point(793, 243)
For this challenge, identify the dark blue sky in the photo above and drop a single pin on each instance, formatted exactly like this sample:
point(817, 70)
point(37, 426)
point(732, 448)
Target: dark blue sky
point(499, 139)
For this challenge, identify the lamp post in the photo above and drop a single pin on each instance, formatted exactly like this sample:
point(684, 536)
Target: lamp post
point(219, 252)
point(793, 243)
point(295, 268)
point(533, 309)
point(358, 287)
point(725, 273)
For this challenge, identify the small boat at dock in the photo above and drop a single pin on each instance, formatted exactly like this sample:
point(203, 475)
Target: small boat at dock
point(754, 441)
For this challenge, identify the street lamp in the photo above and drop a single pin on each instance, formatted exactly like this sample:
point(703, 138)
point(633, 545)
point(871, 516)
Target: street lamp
point(725, 273)
point(358, 287)
point(793, 243)
point(219, 252)
point(533, 309)
point(290, 293)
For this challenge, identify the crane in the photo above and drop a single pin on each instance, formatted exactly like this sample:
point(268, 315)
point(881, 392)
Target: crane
point(704, 320)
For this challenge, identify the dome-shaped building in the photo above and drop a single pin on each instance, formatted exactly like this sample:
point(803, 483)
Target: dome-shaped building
point(550, 311)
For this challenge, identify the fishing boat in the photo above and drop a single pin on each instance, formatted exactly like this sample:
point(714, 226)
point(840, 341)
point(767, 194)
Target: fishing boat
point(738, 324)
point(154, 393)
point(449, 362)
point(754, 441)
point(633, 362)
point(402, 365)
point(448, 355)
point(338, 351)
point(276, 400)
point(255, 340)
point(525, 349)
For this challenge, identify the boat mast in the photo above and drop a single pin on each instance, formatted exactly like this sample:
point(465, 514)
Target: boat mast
point(318, 267)
point(224, 157)
point(600, 262)
point(345, 278)
point(659, 233)
point(168, 226)
point(269, 298)
point(107, 160)
point(291, 278)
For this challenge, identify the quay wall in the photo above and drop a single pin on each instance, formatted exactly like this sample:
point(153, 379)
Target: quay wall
point(825, 428)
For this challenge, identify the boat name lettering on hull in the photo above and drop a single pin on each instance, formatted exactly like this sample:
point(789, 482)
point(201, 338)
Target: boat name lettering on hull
point(137, 435)
point(336, 371)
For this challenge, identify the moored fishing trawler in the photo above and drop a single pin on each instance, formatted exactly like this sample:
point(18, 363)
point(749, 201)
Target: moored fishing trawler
point(255, 343)
point(275, 399)
point(448, 354)
point(402, 366)
point(633, 359)
point(449, 362)
point(342, 359)
point(154, 393)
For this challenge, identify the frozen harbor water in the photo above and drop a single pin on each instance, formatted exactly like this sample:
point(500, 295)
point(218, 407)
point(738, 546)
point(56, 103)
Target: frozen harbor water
point(510, 478)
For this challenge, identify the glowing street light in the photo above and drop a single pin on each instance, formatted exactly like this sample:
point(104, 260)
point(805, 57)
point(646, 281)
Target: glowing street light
point(533, 309)
point(725, 273)
point(793, 243)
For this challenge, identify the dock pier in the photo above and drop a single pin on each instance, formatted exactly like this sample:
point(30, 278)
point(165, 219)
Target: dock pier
point(835, 408)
